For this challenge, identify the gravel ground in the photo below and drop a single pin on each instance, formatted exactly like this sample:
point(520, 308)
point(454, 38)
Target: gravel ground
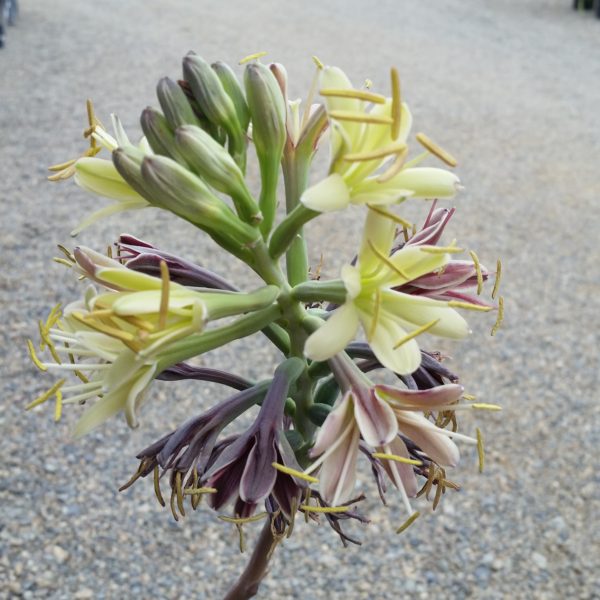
point(512, 88)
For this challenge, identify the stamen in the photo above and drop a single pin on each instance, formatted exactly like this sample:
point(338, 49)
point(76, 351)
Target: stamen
point(73, 367)
point(352, 93)
point(439, 490)
point(478, 270)
point(376, 313)
point(82, 386)
point(415, 333)
point(111, 331)
point(395, 457)
point(360, 117)
point(429, 483)
point(164, 295)
point(389, 215)
point(480, 450)
point(196, 498)
point(317, 62)
point(294, 473)
point(441, 249)
point(157, 491)
point(324, 509)
point(498, 277)
point(251, 57)
point(395, 167)
point(172, 505)
point(500, 315)
point(392, 149)
point(430, 145)
point(133, 479)
point(243, 520)
point(396, 103)
point(469, 397)
point(46, 395)
point(194, 491)
point(36, 361)
point(387, 261)
point(63, 166)
point(62, 261)
point(408, 522)
point(481, 405)
point(469, 306)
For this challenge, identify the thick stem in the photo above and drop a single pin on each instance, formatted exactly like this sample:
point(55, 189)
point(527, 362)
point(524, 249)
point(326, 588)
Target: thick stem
point(249, 581)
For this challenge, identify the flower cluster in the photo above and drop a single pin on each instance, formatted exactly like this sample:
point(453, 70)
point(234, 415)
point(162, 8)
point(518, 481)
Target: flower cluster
point(325, 410)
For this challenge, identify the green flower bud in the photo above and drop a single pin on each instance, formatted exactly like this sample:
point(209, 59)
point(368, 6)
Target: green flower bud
point(175, 105)
point(128, 162)
point(268, 113)
point(328, 392)
point(212, 162)
point(317, 413)
point(215, 103)
point(186, 195)
point(159, 134)
point(234, 90)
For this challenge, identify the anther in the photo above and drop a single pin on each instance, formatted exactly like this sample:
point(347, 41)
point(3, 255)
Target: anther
point(324, 509)
point(157, 491)
point(389, 215)
point(396, 103)
point(36, 361)
point(396, 458)
point(251, 57)
point(498, 277)
point(415, 333)
point(441, 249)
point(500, 317)
point(432, 147)
point(164, 295)
point(294, 473)
point(387, 261)
point(179, 493)
point(480, 450)
point(390, 150)
point(360, 117)
point(394, 168)
point(242, 520)
point(477, 266)
point(172, 505)
point(352, 93)
point(46, 395)
point(438, 494)
point(408, 522)
point(58, 406)
point(469, 306)
point(317, 62)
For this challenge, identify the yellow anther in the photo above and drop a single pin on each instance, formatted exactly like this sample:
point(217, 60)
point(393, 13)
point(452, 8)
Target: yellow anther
point(242, 520)
point(250, 57)
point(111, 331)
point(500, 317)
point(408, 522)
point(352, 93)
point(294, 473)
point(498, 277)
point(387, 261)
point(360, 117)
point(484, 406)
point(58, 406)
point(469, 306)
point(46, 395)
point(480, 451)
point(179, 493)
point(389, 215)
point(375, 320)
point(432, 147)
point(394, 168)
point(324, 509)
point(439, 490)
point(157, 491)
point(133, 479)
point(441, 249)
point(62, 261)
point(164, 295)
point(66, 252)
point(478, 270)
point(396, 103)
point(36, 361)
point(172, 505)
point(199, 490)
point(396, 458)
point(392, 149)
point(62, 166)
point(469, 397)
point(318, 62)
point(415, 333)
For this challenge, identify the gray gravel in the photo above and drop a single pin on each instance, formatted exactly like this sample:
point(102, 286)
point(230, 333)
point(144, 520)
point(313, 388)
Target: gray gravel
point(512, 88)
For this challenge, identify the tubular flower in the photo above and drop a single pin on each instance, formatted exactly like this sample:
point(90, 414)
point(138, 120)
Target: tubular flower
point(369, 149)
point(391, 319)
point(114, 340)
point(99, 176)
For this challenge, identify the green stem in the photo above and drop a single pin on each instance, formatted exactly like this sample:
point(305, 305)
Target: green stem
point(289, 229)
point(319, 291)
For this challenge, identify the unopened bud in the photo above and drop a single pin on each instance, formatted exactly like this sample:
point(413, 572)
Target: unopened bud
point(232, 86)
point(159, 134)
point(128, 162)
point(212, 162)
point(175, 105)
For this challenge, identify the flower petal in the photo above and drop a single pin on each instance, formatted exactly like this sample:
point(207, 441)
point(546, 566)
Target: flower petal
point(334, 335)
point(333, 426)
point(376, 420)
point(396, 470)
point(328, 195)
point(436, 396)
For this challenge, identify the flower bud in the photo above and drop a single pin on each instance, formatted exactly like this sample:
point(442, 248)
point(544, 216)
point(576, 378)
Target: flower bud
point(128, 162)
point(215, 103)
point(159, 134)
point(213, 163)
point(231, 85)
point(175, 104)
point(186, 195)
point(268, 113)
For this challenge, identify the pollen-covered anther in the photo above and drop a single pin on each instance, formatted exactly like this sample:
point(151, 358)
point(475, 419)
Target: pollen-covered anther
point(46, 395)
point(480, 449)
point(34, 358)
point(389, 215)
point(498, 278)
point(352, 93)
point(469, 306)
point(500, 317)
point(396, 458)
point(243, 520)
point(415, 333)
point(441, 249)
point(360, 117)
point(408, 522)
point(432, 147)
point(396, 103)
point(324, 509)
point(391, 150)
point(294, 473)
point(193, 491)
point(252, 57)
point(164, 295)
point(395, 168)
point(387, 261)
point(477, 266)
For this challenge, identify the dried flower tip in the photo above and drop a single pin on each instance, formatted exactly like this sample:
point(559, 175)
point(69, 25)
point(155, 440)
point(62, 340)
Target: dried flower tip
point(252, 57)
point(294, 473)
point(432, 147)
point(408, 522)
